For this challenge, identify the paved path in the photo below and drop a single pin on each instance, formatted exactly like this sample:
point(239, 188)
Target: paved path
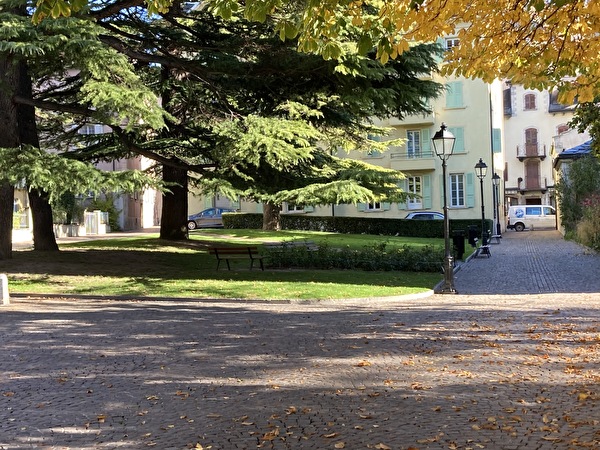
point(491, 368)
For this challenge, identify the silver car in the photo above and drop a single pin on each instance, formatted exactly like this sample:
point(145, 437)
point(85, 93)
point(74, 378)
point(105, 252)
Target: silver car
point(425, 215)
point(209, 218)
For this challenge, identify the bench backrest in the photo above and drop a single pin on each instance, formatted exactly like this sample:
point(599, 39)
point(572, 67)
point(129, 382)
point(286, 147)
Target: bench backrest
point(233, 250)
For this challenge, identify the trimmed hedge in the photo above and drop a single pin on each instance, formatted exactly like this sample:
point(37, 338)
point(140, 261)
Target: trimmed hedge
point(357, 225)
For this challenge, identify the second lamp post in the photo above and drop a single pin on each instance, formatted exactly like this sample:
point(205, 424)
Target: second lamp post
point(481, 171)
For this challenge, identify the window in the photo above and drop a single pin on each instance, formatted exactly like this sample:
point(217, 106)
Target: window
point(530, 102)
point(452, 42)
point(531, 142)
point(415, 190)
point(454, 95)
point(295, 208)
point(533, 210)
point(457, 190)
point(413, 144)
point(374, 206)
point(91, 129)
point(562, 128)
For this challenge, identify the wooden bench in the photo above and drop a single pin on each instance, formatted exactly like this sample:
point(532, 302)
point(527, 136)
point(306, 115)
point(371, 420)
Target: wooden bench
point(228, 253)
point(484, 250)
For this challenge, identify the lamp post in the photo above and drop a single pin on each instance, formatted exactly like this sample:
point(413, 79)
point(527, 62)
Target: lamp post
point(481, 171)
point(443, 144)
point(496, 181)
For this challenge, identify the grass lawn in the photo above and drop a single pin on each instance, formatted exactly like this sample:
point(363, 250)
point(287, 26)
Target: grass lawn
point(149, 267)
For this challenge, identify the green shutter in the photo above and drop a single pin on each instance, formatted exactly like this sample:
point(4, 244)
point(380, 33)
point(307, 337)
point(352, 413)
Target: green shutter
point(442, 191)
point(454, 95)
point(459, 134)
point(496, 140)
point(427, 203)
point(386, 206)
point(403, 185)
point(362, 206)
point(235, 204)
point(208, 201)
point(425, 142)
point(309, 209)
point(470, 190)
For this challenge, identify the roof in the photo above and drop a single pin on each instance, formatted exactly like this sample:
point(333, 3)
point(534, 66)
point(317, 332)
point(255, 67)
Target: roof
point(575, 152)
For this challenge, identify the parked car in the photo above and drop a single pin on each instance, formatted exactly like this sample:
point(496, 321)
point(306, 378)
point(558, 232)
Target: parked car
point(425, 215)
point(521, 217)
point(209, 218)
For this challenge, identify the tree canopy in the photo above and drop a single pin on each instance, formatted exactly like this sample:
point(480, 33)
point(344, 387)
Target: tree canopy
point(537, 43)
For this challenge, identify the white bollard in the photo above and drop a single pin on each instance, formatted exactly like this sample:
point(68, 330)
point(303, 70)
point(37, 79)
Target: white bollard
point(4, 297)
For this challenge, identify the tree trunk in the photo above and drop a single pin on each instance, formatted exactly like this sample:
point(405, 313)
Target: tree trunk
point(9, 138)
point(41, 211)
point(271, 217)
point(43, 228)
point(173, 223)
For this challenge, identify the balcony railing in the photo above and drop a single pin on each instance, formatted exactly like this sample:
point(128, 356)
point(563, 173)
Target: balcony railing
point(412, 155)
point(531, 151)
point(533, 184)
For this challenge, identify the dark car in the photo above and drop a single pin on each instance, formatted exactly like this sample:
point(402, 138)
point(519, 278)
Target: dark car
point(209, 218)
point(425, 215)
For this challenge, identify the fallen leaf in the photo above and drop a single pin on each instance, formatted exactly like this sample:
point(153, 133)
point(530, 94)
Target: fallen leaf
point(330, 435)
point(381, 446)
point(363, 364)
point(341, 444)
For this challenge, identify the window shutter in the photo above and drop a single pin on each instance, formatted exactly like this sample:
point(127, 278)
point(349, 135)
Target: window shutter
point(496, 140)
point(470, 190)
point(235, 204)
point(309, 209)
point(442, 191)
point(427, 191)
point(208, 201)
point(459, 134)
point(425, 142)
point(362, 206)
point(386, 206)
point(454, 95)
point(403, 184)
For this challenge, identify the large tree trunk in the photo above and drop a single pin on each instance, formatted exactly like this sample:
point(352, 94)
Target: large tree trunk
point(271, 217)
point(9, 138)
point(43, 228)
point(173, 222)
point(41, 211)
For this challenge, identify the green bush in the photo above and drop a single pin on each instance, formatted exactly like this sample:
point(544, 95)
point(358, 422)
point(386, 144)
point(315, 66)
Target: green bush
point(356, 225)
point(378, 258)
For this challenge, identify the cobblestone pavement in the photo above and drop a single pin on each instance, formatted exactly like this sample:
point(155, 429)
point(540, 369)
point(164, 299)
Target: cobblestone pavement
point(511, 363)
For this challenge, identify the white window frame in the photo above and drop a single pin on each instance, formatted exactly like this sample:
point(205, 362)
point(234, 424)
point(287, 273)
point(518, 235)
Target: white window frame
point(413, 143)
point(414, 187)
point(291, 208)
point(451, 43)
point(90, 128)
point(373, 206)
point(457, 190)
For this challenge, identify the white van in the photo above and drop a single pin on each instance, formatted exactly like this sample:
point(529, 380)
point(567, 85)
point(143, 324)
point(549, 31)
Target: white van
point(531, 217)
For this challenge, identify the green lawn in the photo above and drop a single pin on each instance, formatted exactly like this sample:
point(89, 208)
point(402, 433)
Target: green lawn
point(146, 266)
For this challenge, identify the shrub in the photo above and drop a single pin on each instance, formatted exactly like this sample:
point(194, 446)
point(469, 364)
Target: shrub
point(588, 228)
point(374, 258)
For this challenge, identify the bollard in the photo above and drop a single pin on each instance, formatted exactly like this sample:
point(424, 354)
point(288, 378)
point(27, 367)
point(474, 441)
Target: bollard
point(4, 297)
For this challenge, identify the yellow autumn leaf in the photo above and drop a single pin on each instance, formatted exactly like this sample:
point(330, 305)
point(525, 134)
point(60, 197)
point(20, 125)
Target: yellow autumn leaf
point(340, 444)
point(363, 364)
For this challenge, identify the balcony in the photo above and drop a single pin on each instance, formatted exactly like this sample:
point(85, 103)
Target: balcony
point(404, 161)
point(529, 184)
point(531, 151)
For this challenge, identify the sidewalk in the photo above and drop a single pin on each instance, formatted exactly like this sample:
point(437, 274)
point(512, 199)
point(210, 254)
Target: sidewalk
point(511, 363)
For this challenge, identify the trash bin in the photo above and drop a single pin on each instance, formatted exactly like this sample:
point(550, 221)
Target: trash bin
point(473, 235)
point(458, 243)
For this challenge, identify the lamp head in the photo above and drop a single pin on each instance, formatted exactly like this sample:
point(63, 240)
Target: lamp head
point(481, 169)
point(443, 143)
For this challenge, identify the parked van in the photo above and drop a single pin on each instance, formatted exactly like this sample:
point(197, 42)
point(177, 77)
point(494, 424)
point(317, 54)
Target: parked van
point(531, 217)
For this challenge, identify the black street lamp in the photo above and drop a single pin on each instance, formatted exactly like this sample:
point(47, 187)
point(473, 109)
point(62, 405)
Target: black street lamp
point(443, 144)
point(481, 171)
point(496, 181)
